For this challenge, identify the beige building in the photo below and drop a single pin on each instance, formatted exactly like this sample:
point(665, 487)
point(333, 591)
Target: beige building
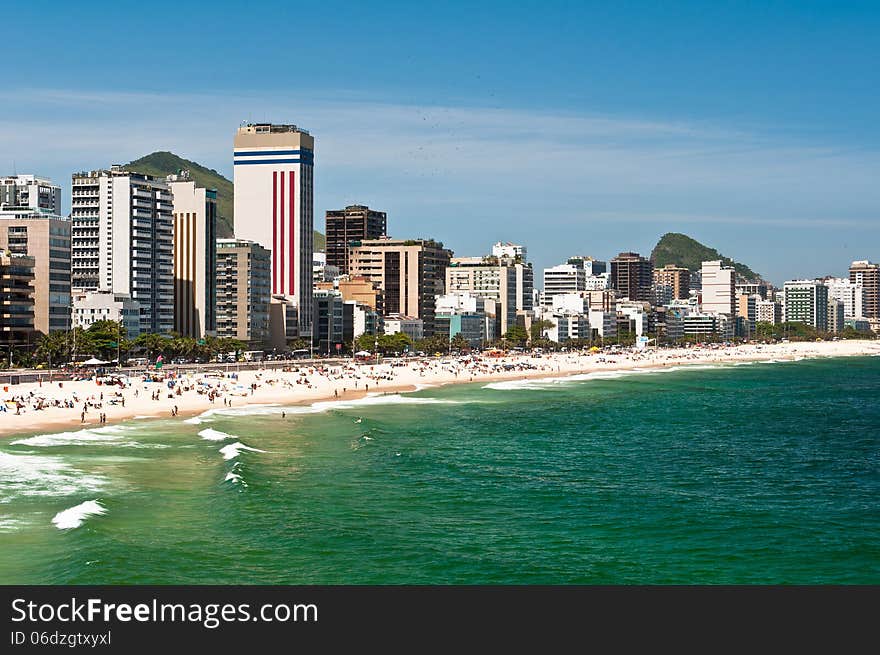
point(244, 270)
point(45, 238)
point(358, 289)
point(678, 279)
point(411, 273)
point(195, 257)
point(16, 299)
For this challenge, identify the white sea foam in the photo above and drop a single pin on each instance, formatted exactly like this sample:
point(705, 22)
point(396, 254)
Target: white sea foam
point(10, 524)
point(233, 450)
point(210, 434)
point(540, 384)
point(36, 475)
point(246, 410)
point(111, 435)
point(74, 517)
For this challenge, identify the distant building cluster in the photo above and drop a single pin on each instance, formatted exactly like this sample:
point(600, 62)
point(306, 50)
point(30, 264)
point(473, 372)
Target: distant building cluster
point(145, 252)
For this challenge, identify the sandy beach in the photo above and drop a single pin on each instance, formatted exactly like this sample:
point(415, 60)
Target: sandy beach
point(41, 407)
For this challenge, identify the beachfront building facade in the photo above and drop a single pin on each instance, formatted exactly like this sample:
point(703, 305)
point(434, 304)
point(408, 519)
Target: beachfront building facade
point(464, 313)
point(359, 319)
point(122, 240)
point(851, 294)
point(103, 305)
point(768, 311)
point(705, 325)
point(632, 276)
point(16, 300)
point(676, 279)
point(562, 279)
point(488, 278)
point(411, 273)
point(45, 237)
point(273, 168)
point(577, 274)
point(411, 326)
point(836, 315)
point(867, 274)
point(718, 291)
point(354, 223)
point(244, 278)
point(195, 257)
point(806, 301)
point(328, 313)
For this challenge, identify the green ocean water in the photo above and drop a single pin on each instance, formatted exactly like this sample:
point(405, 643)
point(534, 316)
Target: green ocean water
point(763, 473)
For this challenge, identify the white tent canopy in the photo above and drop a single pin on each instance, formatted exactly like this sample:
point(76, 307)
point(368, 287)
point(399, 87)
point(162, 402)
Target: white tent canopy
point(94, 362)
point(362, 353)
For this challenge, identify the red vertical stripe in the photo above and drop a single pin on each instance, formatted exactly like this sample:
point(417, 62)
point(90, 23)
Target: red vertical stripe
point(274, 230)
point(281, 225)
point(293, 258)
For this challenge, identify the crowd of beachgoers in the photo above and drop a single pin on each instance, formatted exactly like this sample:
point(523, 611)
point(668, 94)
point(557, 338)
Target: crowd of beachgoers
point(171, 392)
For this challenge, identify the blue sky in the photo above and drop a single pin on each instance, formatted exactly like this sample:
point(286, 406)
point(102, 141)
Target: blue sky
point(575, 128)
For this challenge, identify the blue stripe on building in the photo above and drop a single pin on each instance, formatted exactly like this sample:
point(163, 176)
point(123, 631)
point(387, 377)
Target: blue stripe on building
point(306, 162)
point(261, 153)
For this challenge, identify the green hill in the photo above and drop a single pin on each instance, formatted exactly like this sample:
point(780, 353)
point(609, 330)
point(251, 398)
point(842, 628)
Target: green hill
point(164, 163)
point(681, 250)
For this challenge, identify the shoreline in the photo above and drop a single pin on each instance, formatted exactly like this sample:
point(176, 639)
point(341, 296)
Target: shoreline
point(333, 384)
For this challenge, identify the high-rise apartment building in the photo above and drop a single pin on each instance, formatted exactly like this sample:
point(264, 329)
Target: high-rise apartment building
point(45, 237)
point(30, 193)
point(273, 176)
point(851, 294)
point(632, 275)
point(868, 275)
point(806, 301)
point(412, 273)
point(16, 299)
point(195, 257)
point(122, 240)
point(562, 279)
point(354, 223)
point(487, 278)
point(718, 288)
point(768, 311)
point(676, 278)
point(244, 278)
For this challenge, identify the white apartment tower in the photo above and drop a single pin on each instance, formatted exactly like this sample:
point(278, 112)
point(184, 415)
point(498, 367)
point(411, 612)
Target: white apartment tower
point(719, 288)
point(273, 176)
point(122, 240)
point(30, 192)
point(851, 294)
point(195, 257)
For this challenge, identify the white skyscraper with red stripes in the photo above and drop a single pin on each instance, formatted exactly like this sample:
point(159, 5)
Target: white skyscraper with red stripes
point(274, 185)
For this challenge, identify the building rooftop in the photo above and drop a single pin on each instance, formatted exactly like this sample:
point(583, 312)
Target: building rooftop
point(269, 128)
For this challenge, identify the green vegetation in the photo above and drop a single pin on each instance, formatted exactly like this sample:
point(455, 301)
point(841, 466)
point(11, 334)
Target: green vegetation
point(164, 163)
point(106, 340)
point(681, 250)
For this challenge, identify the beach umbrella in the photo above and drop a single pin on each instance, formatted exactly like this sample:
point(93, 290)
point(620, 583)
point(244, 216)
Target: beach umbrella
point(94, 362)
